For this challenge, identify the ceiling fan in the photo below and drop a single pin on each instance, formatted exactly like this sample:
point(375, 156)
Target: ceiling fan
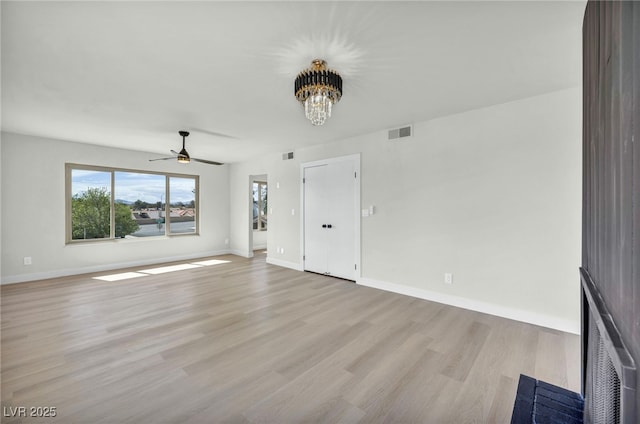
point(183, 156)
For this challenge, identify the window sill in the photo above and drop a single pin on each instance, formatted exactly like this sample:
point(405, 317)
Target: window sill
point(127, 239)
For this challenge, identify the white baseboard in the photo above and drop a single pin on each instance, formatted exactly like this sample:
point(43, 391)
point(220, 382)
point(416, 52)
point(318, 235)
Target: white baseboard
point(560, 324)
point(285, 264)
point(259, 246)
point(241, 253)
point(12, 279)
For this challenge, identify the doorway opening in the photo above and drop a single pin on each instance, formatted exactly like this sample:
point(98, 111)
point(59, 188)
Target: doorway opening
point(259, 214)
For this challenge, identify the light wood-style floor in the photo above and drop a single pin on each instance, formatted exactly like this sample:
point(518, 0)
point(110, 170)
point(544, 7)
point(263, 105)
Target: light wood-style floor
point(247, 342)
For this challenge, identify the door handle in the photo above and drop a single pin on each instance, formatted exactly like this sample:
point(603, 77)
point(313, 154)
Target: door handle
point(329, 226)
point(324, 225)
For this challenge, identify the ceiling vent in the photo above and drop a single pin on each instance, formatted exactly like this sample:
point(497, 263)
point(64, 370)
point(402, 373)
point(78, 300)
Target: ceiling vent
point(401, 132)
point(287, 156)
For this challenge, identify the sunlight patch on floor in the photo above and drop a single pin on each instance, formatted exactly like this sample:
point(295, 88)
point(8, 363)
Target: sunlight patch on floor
point(170, 268)
point(210, 262)
point(160, 270)
point(120, 276)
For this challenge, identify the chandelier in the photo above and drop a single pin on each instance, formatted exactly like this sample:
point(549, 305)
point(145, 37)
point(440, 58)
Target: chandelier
point(318, 88)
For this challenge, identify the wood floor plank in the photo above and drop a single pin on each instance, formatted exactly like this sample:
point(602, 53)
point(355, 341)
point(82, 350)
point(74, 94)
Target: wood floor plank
point(376, 392)
point(247, 342)
point(462, 357)
point(551, 358)
point(230, 402)
point(423, 394)
point(305, 399)
point(502, 403)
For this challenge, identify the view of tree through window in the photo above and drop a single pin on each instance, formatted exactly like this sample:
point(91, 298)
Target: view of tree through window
point(90, 204)
point(142, 204)
point(260, 205)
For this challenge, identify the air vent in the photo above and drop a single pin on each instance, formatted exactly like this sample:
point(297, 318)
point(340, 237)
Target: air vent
point(287, 156)
point(401, 132)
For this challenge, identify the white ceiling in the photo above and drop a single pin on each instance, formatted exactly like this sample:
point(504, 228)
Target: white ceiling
point(131, 74)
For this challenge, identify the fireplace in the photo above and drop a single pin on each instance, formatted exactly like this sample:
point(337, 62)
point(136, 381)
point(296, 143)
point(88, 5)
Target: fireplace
point(608, 370)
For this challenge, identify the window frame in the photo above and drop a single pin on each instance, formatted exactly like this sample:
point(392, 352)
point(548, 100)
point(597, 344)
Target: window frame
point(69, 167)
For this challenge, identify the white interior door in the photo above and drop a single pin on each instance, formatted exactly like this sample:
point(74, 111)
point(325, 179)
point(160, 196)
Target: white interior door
point(330, 218)
point(316, 206)
point(340, 185)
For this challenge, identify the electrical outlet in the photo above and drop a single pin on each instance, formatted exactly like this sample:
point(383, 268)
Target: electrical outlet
point(282, 250)
point(448, 278)
point(27, 260)
point(226, 241)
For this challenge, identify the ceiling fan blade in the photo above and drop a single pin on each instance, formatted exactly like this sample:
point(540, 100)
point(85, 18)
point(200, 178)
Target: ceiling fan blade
point(183, 156)
point(210, 162)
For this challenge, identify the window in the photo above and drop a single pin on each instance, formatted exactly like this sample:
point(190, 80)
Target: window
point(90, 204)
point(182, 192)
point(107, 203)
point(139, 204)
point(260, 206)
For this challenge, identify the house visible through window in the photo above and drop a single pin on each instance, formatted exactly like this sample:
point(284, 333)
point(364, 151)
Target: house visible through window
point(182, 192)
point(105, 203)
point(140, 201)
point(260, 205)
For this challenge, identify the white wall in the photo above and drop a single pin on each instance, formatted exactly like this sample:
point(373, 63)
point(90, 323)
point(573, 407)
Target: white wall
point(33, 211)
point(491, 195)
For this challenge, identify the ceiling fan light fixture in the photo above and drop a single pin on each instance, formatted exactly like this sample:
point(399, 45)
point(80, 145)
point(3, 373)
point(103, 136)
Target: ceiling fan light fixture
point(183, 156)
point(318, 89)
